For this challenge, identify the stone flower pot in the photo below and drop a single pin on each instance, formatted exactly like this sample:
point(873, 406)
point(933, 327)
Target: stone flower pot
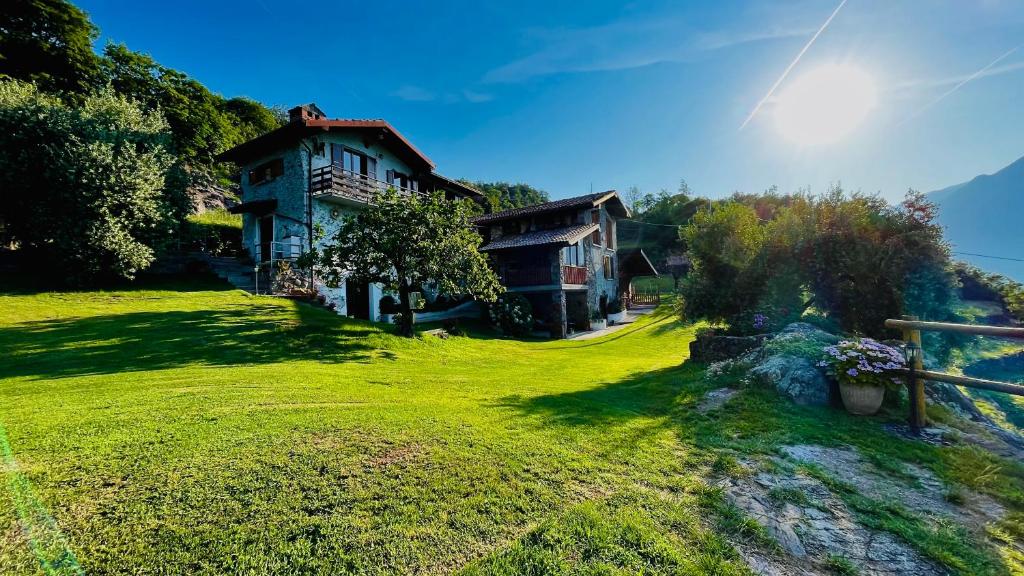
point(598, 324)
point(617, 317)
point(387, 318)
point(861, 400)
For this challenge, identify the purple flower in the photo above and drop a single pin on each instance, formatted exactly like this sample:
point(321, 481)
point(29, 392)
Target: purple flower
point(852, 372)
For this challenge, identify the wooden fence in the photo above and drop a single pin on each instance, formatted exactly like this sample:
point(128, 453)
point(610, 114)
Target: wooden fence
point(916, 375)
point(641, 299)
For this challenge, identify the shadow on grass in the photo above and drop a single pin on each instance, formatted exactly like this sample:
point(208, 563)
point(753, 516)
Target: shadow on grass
point(249, 334)
point(27, 284)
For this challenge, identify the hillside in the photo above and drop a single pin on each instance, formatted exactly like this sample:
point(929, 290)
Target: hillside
point(985, 216)
point(190, 428)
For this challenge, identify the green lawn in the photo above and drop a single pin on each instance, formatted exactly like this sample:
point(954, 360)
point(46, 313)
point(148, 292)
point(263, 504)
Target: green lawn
point(195, 429)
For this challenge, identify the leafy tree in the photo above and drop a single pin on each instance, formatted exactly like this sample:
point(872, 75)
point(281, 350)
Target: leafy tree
point(504, 196)
point(724, 245)
point(657, 218)
point(48, 42)
point(82, 185)
point(854, 258)
point(406, 241)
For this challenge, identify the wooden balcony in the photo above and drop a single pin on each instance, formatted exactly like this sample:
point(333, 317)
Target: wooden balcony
point(349, 187)
point(533, 276)
point(574, 275)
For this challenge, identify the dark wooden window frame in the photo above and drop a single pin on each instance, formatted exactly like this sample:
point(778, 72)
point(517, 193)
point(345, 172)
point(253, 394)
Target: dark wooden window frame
point(266, 171)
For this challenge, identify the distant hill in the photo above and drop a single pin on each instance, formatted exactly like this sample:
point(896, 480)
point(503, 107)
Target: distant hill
point(986, 216)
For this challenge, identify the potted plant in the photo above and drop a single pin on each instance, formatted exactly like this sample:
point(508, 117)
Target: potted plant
point(616, 313)
point(388, 309)
point(597, 321)
point(864, 369)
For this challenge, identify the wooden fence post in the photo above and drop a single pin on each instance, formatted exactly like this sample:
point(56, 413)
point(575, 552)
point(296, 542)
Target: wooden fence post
point(915, 385)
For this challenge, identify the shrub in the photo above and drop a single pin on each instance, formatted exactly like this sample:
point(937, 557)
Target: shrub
point(83, 186)
point(512, 314)
point(388, 305)
point(596, 316)
point(615, 306)
point(863, 362)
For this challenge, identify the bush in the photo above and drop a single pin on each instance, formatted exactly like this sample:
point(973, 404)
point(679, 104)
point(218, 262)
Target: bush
point(388, 305)
point(512, 313)
point(853, 258)
point(863, 362)
point(83, 185)
point(615, 306)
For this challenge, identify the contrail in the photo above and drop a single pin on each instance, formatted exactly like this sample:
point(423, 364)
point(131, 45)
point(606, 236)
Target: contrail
point(960, 85)
point(791, 65)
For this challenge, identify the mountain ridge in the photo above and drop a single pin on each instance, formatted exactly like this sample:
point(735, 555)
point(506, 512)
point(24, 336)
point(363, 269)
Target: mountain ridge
point(985, 215)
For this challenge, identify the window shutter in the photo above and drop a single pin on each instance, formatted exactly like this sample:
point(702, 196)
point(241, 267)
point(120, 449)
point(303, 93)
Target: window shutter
point(390, 176)
point(595, 218)
point(371, 167)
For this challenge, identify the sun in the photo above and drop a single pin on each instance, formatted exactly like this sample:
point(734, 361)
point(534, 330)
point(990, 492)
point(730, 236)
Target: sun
point(825, 104)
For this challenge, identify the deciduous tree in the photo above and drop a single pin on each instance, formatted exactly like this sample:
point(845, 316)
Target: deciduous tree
point(405, 241)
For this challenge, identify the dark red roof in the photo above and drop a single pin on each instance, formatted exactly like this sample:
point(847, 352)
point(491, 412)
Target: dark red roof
point(295, 130)
point(588, 200)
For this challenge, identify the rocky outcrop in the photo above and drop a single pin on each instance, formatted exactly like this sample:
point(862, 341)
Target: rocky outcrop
point(798, 378)
point(788, 362)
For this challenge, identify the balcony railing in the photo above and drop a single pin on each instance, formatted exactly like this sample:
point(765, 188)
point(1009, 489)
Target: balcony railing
point(534, 276)
point(574, 274)
point(333, 180)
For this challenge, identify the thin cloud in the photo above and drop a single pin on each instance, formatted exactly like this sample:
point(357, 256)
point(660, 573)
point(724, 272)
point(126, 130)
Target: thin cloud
point(988, 70)
point(620, 45)
point(414, 94)
point(411, 93)
point(791, 65)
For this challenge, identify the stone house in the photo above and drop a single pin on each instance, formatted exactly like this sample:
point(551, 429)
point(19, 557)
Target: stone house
point(308, 174)
point(563, 256)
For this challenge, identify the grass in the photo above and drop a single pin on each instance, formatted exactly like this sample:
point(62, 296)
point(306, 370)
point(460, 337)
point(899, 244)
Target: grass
point(188, 428)
point(220, 217)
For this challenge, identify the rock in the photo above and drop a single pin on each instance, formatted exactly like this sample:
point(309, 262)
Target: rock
point(798, 378)
point(710, 347)
point(809, 331)
point(715, 399)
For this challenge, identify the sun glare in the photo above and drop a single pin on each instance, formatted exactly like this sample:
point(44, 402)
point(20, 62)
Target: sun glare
point(825, 104)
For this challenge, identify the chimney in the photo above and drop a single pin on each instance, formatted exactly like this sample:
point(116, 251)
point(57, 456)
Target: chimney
point(305, 112)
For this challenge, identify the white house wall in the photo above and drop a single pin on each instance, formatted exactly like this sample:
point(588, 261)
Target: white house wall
point(290, 189)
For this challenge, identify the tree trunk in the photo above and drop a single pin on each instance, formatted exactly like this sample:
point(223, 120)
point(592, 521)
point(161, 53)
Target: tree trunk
point(405, 328)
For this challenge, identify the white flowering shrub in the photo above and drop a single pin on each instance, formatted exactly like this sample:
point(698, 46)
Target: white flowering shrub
point(512, 313)
point(863, 362)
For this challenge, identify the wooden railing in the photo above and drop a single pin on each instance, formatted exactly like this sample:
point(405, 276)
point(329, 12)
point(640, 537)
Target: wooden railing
point(917, 376)
point(574, 274)
point(333, 180)
point(533, 276)
point(641, 299)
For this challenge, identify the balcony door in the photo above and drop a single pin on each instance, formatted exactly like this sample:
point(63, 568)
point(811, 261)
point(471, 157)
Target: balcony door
point(354, 161)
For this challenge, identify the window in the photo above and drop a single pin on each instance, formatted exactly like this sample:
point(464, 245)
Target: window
point(400, 180)
point(609, 268)
point(573, 255)
point(266, 171)
point(612, 240)
point(595, 218)
point(354, 161)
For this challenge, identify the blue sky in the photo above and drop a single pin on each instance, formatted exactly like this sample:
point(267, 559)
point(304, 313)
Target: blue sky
point(569, 96)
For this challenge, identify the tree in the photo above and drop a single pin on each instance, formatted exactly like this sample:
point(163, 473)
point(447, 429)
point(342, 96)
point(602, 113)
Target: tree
point(203, 123)
point(83, 185)
point(48, 42)
point(406, 241)
point(503, 196)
